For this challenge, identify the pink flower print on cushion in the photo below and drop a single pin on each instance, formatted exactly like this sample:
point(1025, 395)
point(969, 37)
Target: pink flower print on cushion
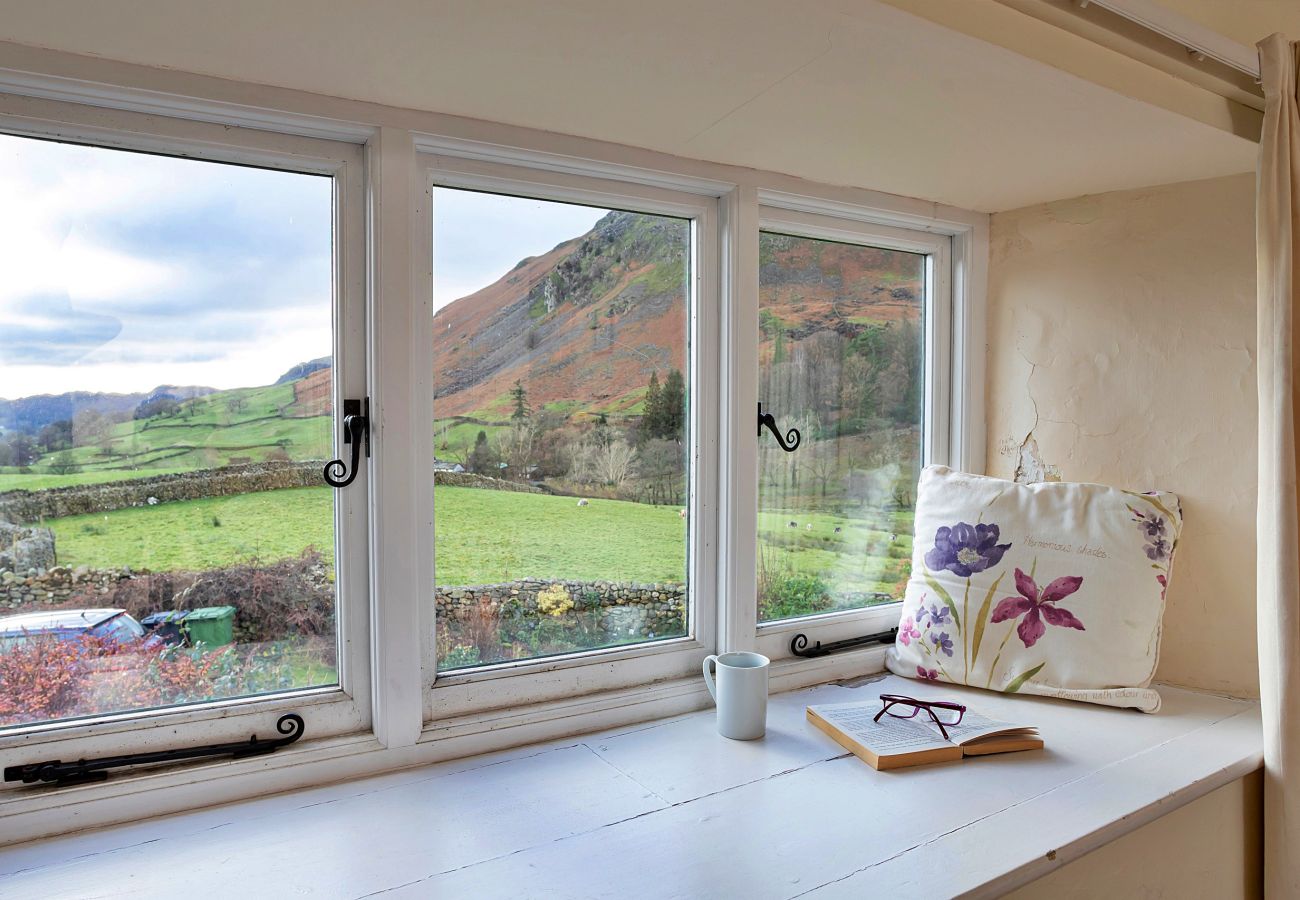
point(907, 631)
point(1038, 608)
point(927, 674)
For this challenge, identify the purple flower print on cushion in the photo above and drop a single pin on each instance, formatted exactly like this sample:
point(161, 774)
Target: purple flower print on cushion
point(907, 631)
point(966, 549)
point(943, 643)
point(938, 615)
point(1038, 608)
point(927, 674)
point(1157, 550)
point(1153, 526)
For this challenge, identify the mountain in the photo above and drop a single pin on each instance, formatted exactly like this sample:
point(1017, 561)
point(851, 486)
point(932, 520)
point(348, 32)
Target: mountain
point(584, 325)
point(31, 414)
point(303, 369)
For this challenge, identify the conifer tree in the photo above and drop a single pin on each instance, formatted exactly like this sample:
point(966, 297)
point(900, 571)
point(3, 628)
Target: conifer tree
point(653, 415)
point(520, 396)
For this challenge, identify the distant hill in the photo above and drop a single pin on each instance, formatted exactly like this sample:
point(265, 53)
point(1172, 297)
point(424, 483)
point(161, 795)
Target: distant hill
point(303, 369)
point(31, 414)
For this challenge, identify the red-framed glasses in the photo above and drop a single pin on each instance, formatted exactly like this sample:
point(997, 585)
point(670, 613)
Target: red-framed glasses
point(941, 711)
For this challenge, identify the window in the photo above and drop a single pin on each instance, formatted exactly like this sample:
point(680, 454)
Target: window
point(187, 306)
point(173, 343)
point(841, 360)
point(853, 351)
point(574, 484)
point(561, 384)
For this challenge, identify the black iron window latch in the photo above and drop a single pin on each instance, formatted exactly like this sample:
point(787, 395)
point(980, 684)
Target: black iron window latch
point(799, 644)
point(83, 771)
point(789, 443)
point(356, 428)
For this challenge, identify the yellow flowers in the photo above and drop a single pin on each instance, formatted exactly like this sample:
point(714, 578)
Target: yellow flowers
point(554, 601)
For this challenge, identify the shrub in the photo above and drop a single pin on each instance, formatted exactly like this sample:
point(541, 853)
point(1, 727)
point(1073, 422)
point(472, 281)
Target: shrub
point(47, 678)
point(289, 598)
point(791, 594)
point(554, 601)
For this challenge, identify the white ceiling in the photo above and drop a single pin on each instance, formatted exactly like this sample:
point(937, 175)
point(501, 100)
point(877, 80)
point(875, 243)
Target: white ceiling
point(840, 91)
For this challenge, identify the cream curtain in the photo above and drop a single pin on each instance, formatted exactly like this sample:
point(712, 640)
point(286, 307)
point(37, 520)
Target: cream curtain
point(1277, 243)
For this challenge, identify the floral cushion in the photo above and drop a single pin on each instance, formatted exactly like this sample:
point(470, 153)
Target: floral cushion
point(1053, 589)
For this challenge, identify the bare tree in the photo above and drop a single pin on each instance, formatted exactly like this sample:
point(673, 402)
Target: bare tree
point(515, 446)
point(614, 462)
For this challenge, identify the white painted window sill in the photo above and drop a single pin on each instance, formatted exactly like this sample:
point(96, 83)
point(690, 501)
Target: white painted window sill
point(670, 809)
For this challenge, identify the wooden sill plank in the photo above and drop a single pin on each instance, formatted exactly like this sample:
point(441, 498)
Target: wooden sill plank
point(672, 809)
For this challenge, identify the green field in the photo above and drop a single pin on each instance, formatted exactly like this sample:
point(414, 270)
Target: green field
point(870, 553)
point(13, 480)
point(483, 536)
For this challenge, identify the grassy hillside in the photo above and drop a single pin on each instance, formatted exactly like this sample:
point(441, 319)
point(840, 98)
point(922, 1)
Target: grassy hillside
point(226, 427)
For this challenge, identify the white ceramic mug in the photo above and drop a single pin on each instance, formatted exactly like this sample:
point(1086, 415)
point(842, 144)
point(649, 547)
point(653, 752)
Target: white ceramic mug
point(740, 693)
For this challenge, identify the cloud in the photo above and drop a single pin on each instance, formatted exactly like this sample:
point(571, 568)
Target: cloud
point(125, 270)
point(48, 330)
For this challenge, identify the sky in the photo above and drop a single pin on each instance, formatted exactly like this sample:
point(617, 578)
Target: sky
point(123, 271)
point(479, 237)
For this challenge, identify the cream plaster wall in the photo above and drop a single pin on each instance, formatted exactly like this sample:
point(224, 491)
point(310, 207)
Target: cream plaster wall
point(1121, 336)
point(1209, 848)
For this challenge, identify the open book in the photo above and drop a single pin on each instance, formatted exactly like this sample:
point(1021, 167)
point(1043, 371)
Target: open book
point(894, 743)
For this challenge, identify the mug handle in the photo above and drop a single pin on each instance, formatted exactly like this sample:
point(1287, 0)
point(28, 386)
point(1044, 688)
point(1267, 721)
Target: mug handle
point(708, 677)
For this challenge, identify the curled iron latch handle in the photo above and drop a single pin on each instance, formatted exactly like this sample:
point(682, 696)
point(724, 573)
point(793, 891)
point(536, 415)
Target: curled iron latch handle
point(356, 428)
point(789, 443)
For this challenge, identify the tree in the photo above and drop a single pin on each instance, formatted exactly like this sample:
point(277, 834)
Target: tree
point(56, 436)
point(482, 459)
point(515, 446)
point(653, 414)
point(64, 464)
point(89, 426)
point(520, 396)
point(674, 407)
point(23, 449)
point(614, 462)
point(659, 470)
point(163, 405)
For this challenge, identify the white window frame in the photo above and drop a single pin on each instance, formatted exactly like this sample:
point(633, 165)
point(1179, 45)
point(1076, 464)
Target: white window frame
point(948, 434)
point(327, 711)
point(564, 677)
point(384, 233)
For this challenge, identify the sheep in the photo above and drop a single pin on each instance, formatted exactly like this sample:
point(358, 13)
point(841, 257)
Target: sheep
point(584, 502)
point(792, 525)
point(681, 513)
point(810, 526)
point(838, 529)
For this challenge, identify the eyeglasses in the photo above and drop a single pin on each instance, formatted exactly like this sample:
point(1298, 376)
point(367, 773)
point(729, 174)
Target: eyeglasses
point(942, 712)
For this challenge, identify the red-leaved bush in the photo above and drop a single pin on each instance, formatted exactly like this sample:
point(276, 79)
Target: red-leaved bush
point(46, 678)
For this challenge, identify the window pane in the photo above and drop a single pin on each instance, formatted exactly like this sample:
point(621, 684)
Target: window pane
point(165, 341)
point(560, 406)
point(841, 359)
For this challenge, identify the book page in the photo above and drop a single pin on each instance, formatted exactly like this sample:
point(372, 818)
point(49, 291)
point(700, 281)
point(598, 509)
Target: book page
point(973, 727)
point(888, 737)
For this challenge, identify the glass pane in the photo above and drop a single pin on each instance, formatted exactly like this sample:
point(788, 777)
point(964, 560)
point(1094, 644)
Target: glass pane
point(841, 352)
point(165, 340)
point(560, 407)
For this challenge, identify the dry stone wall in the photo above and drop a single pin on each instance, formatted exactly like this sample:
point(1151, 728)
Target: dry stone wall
point(627, 609)
point(24, 507)
point(27, 507)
